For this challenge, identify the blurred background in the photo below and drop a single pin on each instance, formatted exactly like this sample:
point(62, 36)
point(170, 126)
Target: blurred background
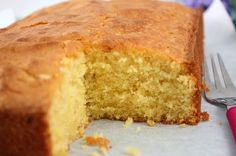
point(22, 8)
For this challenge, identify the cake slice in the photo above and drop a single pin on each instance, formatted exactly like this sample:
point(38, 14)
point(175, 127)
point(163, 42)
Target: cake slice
point(42, 99)
point(96, 59)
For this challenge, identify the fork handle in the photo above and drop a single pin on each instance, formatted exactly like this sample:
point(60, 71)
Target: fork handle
point(231, 115)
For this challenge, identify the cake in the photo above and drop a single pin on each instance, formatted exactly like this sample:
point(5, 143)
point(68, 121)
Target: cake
point(91, 59)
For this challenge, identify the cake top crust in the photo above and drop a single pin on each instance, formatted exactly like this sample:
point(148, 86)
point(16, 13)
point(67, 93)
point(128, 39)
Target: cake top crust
point(162, 27)
point(35, 45)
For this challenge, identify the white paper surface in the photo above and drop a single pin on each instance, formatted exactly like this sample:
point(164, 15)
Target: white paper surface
point(212, 138)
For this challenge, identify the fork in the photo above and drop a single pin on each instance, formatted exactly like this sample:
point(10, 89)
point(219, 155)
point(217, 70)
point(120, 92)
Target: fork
point(222, 95)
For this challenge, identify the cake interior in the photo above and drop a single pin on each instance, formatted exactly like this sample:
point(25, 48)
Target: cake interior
point(118, 85)
point(130, 84)
point(68, 113)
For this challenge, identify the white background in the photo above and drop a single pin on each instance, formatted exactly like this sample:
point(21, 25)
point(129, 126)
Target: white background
point(24, 7)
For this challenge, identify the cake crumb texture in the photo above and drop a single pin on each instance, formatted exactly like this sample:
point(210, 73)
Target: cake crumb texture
point(67, 116)
point(129, 84)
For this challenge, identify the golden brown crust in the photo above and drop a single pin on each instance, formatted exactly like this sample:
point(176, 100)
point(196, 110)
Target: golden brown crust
point(118, 24)
point(197, 68)
point(34, 46)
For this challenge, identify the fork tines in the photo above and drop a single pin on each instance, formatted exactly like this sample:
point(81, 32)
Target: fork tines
point(216, 75)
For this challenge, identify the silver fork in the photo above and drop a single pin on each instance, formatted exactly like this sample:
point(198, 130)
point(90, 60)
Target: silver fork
point(220, 95)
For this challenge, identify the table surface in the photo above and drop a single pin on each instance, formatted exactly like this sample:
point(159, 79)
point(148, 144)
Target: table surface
point(212, 138)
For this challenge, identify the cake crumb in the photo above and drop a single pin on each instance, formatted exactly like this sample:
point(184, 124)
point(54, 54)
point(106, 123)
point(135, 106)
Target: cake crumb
point(128, 122)
point(99, 141)
point(183, 125)
point(95, 154)
point(132, 151)
point(44, 76)
point(151, 123)
point(138, 129)
point(204, 116)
